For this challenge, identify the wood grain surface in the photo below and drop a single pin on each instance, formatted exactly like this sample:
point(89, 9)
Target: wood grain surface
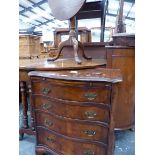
point(61, 64)
point(99, 74)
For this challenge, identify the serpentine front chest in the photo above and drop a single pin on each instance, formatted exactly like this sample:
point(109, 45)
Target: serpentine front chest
point(74, 111)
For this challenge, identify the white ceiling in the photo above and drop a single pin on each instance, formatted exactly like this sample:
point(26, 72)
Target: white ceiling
point(40, 17)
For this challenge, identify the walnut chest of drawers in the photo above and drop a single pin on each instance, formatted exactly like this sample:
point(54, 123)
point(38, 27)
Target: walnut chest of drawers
point(74, 111)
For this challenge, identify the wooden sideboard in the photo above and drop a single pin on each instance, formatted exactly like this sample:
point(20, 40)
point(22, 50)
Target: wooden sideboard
point(74, 111)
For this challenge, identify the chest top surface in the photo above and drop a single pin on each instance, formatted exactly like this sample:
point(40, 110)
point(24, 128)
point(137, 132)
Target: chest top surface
point(98, 75)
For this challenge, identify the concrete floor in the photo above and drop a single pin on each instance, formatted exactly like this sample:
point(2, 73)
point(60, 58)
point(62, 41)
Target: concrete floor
point(124, 142)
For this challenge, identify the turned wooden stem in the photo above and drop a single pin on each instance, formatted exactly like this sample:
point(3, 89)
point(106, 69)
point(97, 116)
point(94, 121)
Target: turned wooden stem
point(24, 102)
point(31, 107)
point(72, 23)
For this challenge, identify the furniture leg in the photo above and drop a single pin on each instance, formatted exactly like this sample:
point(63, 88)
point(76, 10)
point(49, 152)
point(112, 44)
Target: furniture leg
point(25, 128)
point(82, 50)
point(44, 151)
point(75, 47)
point(61, 46)
point(21, 136)
point(31, 107)
point(40, 151)
point(24, 102)
point(132, 129)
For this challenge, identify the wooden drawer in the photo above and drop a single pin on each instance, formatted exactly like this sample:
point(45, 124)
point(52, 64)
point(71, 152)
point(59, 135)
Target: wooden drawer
point(72, 128)
point(73, 91)
point(77, 110)
point(67, 146)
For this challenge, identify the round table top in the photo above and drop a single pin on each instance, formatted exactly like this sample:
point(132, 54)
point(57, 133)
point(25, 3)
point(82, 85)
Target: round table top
point(65, 9)
point(60, 64)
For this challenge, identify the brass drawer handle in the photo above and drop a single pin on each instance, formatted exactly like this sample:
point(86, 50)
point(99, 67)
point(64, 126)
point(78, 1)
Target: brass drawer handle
point(90, 114)
point(90, 96)
point(46, 91)
point(89, 152)
point(90, 132)
point(46, 106)
point(48, 123)
point(50, 140)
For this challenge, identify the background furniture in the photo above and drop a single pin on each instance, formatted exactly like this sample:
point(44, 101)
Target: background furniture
point(74, 111)
point(97, 9)
point(29, 46)
point(83, 32)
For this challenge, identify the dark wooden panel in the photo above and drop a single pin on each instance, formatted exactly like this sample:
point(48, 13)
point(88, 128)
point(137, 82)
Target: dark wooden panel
point(124, 59)
point(90, 10)
point(124, 39)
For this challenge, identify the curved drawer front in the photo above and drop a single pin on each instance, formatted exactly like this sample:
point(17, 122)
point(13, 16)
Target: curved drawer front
point(74, 129)
point(66, 146)
point(74, 111)
point(84, 92)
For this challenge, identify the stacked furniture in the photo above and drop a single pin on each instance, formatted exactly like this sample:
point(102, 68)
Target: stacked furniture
point(74, 111)
point(29, 46)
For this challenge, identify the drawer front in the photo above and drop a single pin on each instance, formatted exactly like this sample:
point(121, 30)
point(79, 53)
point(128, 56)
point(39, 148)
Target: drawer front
point(74, 129)
point(66, 146)
point(72, 92)
point(74, 111)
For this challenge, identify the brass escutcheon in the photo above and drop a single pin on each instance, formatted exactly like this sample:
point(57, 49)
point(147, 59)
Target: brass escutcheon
point(46, 106)
point(51, 140)
point(90, 114)
point(90, 132)
point(89, 152)
point(46, 91)
point(48, 123)
point(90, 96)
